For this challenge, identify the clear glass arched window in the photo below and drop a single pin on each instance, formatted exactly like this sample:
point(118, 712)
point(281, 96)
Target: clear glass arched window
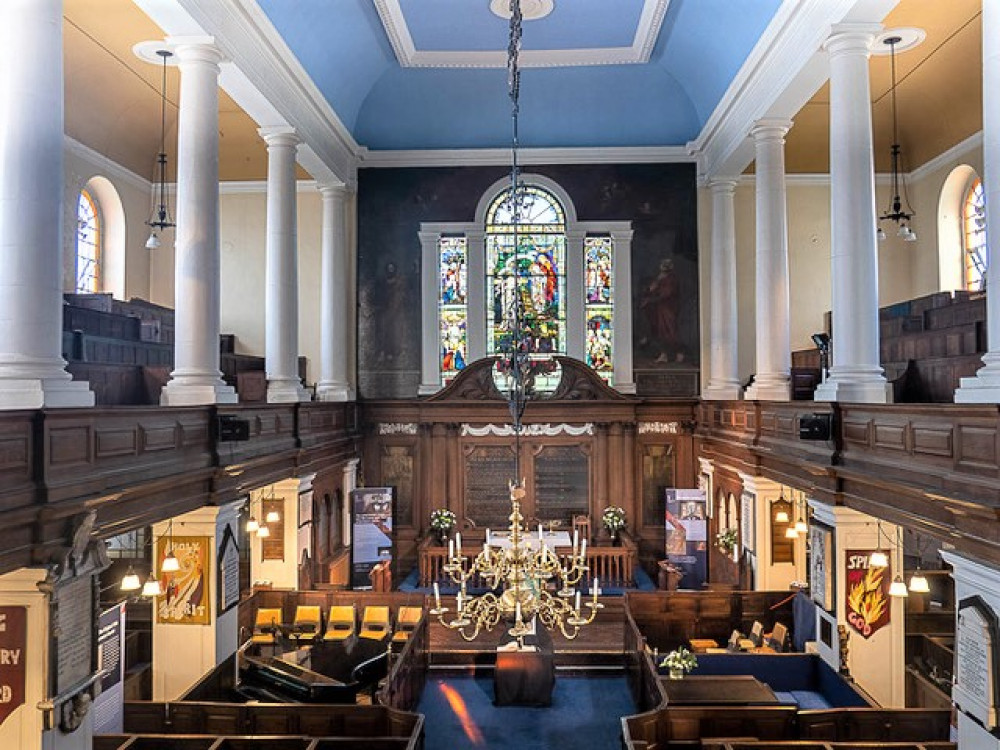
point(977, 255)
point(88, 244)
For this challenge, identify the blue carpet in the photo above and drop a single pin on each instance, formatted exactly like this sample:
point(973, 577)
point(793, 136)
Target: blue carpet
point(585, 713)
point(412, 583)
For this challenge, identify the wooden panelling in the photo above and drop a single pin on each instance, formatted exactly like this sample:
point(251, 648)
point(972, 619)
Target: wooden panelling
point(977, 448)
point(932, 440)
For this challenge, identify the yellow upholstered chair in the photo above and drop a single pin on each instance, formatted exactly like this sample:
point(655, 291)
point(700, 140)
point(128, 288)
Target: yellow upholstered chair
point(375, 623)
point(265, 626)
point(306, 626)
point(340, 623)
point(406, 620)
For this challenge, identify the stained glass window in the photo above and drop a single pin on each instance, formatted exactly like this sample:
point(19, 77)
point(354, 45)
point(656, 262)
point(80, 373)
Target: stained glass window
point(537, 268)
point(88, 244)
point(977, 253)
point(599, 303)
point(453, 309)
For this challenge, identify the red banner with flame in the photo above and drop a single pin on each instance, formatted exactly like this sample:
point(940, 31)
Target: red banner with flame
point(867, 592)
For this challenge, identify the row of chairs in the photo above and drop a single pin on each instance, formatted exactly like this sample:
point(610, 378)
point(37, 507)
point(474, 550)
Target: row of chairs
point(341, 623)
point(758, 641)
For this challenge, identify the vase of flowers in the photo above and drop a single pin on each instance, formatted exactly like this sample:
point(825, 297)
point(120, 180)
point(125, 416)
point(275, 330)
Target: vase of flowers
point(726, 540)
point(442, 522)
point(680, 661)
point(613, 519)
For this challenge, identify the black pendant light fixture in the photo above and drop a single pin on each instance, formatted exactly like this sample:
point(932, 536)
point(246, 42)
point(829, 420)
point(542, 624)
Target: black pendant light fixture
point(896, 212)
point(160, 218)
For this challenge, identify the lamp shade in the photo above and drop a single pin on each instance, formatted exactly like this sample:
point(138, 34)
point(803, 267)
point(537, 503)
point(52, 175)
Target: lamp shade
point(781, 516)
point(878, 559)
point(898, 588)
point(801, 526)
point(152, 587)
point(153, 243)
point(263, 532)
point(170, 563)
point(272, 516)
point(131, 582)
point(791, 533)
point(918, 583)
point(252, 525)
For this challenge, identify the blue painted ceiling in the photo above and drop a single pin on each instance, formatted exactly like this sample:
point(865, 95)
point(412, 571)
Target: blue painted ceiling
point(345, 48)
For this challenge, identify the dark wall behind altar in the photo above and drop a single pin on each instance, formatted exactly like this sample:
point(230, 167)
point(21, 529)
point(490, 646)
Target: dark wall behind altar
point(659, 199)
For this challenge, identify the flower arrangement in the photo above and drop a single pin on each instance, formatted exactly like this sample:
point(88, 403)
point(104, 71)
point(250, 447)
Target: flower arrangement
point(726, 540)
point(680, 660)
point(442, 520)
point(613, 519)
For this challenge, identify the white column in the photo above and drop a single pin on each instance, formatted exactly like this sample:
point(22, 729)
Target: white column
point(984, 386)
point(724, 378)
point(349, 481)
point(978, 581)
point(281, 289)
point(430, 326)
point(333, 383)
point(774, 355)
point(576, 323)
point(856, 374)
point(32, 370)
point(624, 377)
point(196, 378)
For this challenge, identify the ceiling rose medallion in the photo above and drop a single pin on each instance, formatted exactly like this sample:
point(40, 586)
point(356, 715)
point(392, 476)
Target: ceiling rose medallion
point(531, 10)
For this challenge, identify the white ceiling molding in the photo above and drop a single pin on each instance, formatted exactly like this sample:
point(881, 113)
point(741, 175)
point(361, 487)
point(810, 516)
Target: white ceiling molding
point(956, 153)
point(501, 156)
point(107, 166)
point(646, 33)
point(813, 179)
point(784, 69)
point(251, 187)
point(265, 79)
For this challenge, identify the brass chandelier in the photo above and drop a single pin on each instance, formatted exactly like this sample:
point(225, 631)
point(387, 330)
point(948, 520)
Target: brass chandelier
point(527, 580)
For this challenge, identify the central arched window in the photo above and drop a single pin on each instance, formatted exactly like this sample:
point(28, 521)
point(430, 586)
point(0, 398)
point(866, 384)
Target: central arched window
point(88, 244)
point(977, 255)
point(566, 273)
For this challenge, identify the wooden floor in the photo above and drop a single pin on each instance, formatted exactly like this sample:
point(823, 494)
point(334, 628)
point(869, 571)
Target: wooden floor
point(599, 644)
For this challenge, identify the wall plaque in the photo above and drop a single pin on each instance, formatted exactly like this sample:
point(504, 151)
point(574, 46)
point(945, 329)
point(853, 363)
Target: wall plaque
point(75, 632)
point(821, 566)
point(488, 472)
point(228, 574)
point(976, 665)
point(562, 483)
point(13, 639)
point(746, 520)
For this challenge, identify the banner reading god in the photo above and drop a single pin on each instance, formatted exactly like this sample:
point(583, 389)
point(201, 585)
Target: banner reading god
point(867, 593)
point(185, 593)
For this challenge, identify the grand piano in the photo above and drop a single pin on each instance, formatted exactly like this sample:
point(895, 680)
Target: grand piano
point(330, 673)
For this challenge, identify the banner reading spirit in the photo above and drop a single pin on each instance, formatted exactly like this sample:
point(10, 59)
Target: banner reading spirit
point(867, 593)
point(185, 593)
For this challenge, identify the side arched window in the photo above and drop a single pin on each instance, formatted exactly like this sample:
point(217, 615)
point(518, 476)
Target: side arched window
point(88, 244)
point(977, 256)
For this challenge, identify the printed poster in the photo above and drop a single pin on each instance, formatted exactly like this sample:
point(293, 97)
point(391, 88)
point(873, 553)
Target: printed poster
point(185, 593)
point(867, 592)
point(372, 511)
point(687, 535)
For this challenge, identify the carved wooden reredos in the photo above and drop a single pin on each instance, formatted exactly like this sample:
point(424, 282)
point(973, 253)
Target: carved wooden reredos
point(584, 447)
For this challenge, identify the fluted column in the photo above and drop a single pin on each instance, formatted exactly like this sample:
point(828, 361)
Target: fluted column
point(856, 375)
point(333, 382)
point(32, 370)
point(724, 378)
point(196, 378)
point(984, 387)
point(774, 354)
point(281, 288)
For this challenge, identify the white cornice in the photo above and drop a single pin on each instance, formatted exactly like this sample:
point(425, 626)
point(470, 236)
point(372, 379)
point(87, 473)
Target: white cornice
point(501, 156)
point(817, 179)
point(111, 168)
point(646, 33)
point(953, 154)
point(252, 187)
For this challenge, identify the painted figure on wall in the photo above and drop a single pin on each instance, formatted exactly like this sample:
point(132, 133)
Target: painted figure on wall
point(659, 304)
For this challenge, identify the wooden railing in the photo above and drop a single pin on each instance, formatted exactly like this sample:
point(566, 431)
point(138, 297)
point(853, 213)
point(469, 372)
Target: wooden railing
point(614, 566)
point(408, 671)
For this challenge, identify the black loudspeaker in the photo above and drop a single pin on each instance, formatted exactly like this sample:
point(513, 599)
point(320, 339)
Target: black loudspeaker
point(815, 427)
point(232, 429)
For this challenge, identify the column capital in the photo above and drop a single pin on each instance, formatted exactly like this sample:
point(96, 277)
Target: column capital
point(851, 39)
point(770, 129)
point(196, 49)
point(725, 185)
point(280, 135)
point(334, 190)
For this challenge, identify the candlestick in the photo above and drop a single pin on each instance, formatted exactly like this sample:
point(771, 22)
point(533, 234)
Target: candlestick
point(576, 539)
point(487, 536)
point(541, 534)
point(458, 543)
point(437, 595)
point(517, 612)
point(458, 602)
point(486, 548)
point(451, 549)
point(578, 601)
point(583, 551)
point(596, 588)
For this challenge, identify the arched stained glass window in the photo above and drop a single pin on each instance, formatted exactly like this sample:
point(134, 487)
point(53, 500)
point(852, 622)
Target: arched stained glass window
point(88, 244)
point(540, 266)
point(599, 303)
point(977, 255)
point(453, 305)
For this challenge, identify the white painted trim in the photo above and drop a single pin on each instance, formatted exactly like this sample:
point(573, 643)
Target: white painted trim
point(646, 33)
point(946, 158)
point(110, 167)
point(818, 179)
point(243, 187)
point(477, 157)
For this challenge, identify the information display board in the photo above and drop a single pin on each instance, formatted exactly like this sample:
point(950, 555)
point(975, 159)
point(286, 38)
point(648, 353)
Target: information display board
point(687, 535)
point(372, 511)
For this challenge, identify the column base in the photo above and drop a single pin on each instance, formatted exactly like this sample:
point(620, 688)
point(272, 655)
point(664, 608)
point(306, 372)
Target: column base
point(44, 393)
point(333, 391)
point(178, 392)
point(984, 386)
point(856, 387)
point(287, 392)
point(428, 389)
point(775, 387)
point(629, 389)
point(722, 390)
